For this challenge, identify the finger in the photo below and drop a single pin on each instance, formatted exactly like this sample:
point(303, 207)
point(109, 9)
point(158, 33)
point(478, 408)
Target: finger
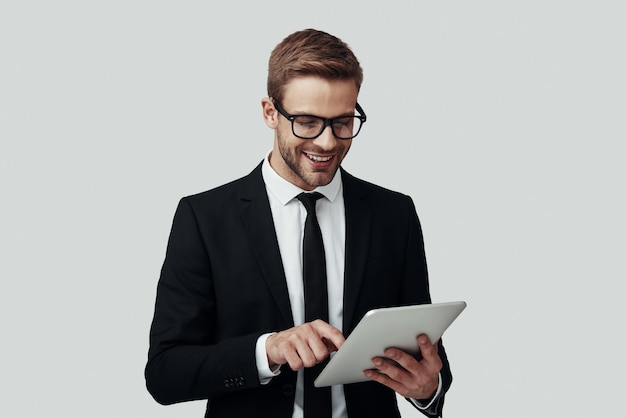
point(311, 345)
point(319, 349)
point(409, 371)
point(401, 358)
point(408, 384)
point(305, 345)
point(333, 336)
point(430, 354)
point(291, 347)
point(325, 340)
point(384, 379)
point(391, 367)
point(330, 346)
point(293, 360)
point(427, 349)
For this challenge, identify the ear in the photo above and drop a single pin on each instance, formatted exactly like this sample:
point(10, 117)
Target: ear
point(270, 114)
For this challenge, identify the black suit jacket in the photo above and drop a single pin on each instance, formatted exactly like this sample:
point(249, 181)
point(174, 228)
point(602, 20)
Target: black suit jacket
point(222, 285)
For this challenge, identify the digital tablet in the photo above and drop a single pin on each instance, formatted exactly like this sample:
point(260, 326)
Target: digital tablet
point(383, 328)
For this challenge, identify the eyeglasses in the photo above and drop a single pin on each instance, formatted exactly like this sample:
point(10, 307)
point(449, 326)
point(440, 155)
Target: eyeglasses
point(311, 126)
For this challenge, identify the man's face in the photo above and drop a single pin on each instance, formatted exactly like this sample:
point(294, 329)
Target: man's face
point(309, 163)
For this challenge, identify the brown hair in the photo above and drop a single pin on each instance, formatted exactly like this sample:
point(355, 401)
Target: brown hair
point(311, 52)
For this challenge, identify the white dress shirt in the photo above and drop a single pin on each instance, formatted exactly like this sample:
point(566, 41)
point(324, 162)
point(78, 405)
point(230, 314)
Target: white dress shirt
point(289, 215)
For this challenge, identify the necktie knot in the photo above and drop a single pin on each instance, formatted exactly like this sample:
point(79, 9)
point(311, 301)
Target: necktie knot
point(308, 200)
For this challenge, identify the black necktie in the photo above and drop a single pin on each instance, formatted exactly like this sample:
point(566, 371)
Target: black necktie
point(317, 402)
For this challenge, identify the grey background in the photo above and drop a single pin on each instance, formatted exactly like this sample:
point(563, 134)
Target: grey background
point(503, 120)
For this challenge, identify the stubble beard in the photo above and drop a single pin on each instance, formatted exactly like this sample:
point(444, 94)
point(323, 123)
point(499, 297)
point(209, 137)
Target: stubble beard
point(292, 157)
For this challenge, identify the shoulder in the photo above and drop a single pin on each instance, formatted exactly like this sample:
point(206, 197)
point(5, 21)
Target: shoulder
point(245, 187)
point(356, 188)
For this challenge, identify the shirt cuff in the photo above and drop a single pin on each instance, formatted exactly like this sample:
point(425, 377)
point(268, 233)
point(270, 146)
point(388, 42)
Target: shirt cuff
point(422, 406)
point(266, 373)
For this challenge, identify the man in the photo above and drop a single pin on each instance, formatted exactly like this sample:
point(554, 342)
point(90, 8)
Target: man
point(231, 322)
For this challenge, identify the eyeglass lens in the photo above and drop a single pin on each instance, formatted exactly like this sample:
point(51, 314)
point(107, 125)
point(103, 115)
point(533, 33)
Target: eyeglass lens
point(310, 126)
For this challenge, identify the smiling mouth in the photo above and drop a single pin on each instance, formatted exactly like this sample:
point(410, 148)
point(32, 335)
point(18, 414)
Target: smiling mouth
point(318, 158)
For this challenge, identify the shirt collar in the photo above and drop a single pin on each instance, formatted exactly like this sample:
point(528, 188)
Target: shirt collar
point(285, 191)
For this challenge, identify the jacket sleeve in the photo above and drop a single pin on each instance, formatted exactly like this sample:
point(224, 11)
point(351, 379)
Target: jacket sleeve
point(185, 360)
point(416, 262)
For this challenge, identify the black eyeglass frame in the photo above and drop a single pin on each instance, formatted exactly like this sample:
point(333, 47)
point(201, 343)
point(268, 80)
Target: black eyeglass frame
point(326, 121)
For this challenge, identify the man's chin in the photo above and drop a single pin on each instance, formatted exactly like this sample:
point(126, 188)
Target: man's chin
point(318, 179)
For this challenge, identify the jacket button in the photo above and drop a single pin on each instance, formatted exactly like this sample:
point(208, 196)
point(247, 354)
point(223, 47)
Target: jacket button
point(288, 390)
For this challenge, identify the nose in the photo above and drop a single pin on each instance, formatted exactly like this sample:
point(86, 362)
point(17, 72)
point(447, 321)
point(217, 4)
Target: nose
point(326, 140)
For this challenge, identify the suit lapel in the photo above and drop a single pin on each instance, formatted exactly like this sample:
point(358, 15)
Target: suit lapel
point(358, 230)
point(257, 218)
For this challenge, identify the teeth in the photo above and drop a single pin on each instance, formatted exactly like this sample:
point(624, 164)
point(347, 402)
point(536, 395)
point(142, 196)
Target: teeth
point(319, 159)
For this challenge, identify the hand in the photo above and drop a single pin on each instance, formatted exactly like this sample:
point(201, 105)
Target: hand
point(303, 346)
point(411, 378)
